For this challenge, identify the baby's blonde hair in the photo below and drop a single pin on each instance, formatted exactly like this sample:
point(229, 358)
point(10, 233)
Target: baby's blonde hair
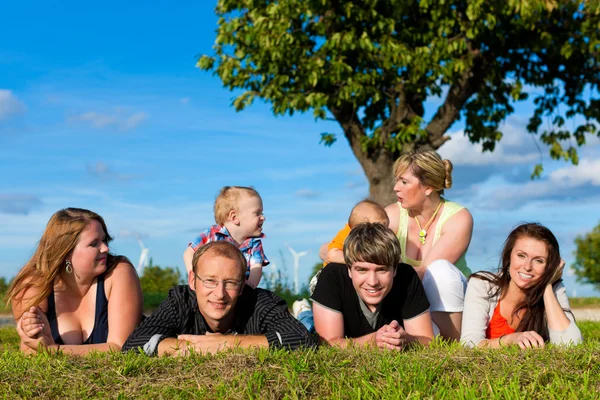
point(428, 167)
point(228, 199)
point(375, 209)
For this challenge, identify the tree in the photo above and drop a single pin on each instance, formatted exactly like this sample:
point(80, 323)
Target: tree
point(157, 280)
point(371, 66)
point(4, 284)
point(587, 257)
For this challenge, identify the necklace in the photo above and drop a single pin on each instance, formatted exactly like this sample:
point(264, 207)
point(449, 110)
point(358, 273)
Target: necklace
point(423, 231)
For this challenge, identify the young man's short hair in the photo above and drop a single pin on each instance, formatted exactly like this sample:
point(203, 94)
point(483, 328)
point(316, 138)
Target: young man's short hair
point(372, 243)
point(228, 199)
point(375, 209)
point(223, 249)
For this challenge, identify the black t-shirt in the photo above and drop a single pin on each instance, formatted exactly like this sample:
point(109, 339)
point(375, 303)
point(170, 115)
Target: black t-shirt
point(335, 291)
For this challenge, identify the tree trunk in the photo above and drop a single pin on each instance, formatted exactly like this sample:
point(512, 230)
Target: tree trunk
point(380, 174)
point(378, 166)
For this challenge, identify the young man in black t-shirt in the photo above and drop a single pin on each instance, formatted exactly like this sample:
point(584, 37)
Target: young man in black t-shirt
point(373, 300)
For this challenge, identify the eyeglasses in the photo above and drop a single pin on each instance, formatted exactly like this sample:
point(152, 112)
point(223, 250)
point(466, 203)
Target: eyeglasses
point(213, 283)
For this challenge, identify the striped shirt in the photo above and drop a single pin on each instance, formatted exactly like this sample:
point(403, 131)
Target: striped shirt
point(257, 312)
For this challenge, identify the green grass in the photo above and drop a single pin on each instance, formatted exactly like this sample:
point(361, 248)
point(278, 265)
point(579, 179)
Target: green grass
point(440, 372)
point(584, 302)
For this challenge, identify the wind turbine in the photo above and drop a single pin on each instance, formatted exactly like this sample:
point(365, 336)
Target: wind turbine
point(143, 257)
point(296, 256)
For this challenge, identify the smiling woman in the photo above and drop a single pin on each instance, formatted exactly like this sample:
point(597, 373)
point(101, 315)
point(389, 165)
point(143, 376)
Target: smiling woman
point(525, 303)
point(72, 290)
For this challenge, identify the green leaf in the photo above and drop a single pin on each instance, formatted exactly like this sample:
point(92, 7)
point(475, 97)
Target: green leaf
point(537, 171)
point(328, 139)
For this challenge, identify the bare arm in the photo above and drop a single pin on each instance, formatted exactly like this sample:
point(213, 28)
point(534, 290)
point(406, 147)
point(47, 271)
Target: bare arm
point(323, 252)
point(329, 325)
point(393, 213)
point(32, 325)
point(255, 275)
point(419, 329)
point(125, 302)
point(188, 255)
point(43, 340)
point(335, 256)
point(454, 239)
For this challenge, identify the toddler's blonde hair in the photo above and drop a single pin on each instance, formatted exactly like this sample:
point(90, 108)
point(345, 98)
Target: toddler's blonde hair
point(228, 199)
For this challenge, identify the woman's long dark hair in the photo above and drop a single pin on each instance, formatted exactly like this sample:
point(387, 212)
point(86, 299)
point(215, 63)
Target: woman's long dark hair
point(534, 318)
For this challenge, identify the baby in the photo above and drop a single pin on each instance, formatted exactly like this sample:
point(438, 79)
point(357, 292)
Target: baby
point(239, 217)
point(364, 211)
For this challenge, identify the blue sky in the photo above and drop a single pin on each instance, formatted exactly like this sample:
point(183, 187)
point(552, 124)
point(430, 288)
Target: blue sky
point(101, 107)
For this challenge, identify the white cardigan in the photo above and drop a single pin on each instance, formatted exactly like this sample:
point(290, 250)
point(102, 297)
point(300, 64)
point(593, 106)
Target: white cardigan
point(479, 309)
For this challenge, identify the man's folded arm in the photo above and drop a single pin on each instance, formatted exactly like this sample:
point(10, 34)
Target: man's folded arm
point(162, 324)
point(283, 330)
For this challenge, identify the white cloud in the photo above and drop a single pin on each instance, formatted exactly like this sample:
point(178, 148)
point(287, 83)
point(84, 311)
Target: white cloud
point(10, 105)
point(20, 204)
point(99, 169)
point(134, 120)
point(105, 172)
point(516, 147)
point(356, 184)
point(587, 172)
point(498, 193)
point(119, 119)
point(95, 119)
point(307, 193)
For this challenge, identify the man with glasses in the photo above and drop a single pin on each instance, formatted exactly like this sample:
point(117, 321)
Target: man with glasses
point(216, 311)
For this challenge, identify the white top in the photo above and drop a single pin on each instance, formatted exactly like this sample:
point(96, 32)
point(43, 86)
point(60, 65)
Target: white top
point(479, 309)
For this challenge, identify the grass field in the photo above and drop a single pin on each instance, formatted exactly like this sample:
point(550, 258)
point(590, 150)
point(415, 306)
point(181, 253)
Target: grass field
point(584, 302)
point(440, 372)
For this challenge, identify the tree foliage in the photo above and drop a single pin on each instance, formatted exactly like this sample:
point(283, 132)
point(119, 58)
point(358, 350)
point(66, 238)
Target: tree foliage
point(157, 280)
point(587, 257)
point(371, 65)
point(4, 284)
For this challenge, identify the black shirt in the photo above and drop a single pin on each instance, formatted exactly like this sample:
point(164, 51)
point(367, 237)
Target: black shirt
point(257, 312)
point(405, 300)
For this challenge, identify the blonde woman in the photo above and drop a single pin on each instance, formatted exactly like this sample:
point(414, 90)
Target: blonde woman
point(73, 295)
point(434, 235)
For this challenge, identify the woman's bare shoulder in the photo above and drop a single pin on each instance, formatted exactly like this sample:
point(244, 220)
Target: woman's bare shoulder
point(461, 219)
point(393, 213)
point(20, 301)
point(123, 275)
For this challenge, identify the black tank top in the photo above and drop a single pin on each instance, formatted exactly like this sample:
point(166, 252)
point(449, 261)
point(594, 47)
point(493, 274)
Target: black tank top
point(100, 332)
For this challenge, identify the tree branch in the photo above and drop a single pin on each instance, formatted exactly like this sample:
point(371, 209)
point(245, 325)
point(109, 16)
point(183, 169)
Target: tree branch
point(468, 84)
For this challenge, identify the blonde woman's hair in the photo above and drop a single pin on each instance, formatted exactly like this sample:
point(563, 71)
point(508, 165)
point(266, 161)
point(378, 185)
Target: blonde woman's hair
point(372, 243)
point(428, 167)
point(58, 240)
point(366, 209)
point(224, 249)
point(228, 199)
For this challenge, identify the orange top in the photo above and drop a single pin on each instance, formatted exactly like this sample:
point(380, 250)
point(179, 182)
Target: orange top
point(498, 325)
point(338, 241)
